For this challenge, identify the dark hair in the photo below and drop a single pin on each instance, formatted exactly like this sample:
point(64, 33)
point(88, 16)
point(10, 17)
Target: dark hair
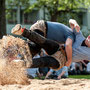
point(83, 43)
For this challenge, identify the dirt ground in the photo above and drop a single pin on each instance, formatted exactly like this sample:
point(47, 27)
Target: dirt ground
point(63, 84)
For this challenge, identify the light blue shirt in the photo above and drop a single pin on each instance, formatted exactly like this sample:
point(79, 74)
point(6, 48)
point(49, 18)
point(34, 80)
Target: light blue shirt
point(58, 72)
point(32, 71)
point(80, 52)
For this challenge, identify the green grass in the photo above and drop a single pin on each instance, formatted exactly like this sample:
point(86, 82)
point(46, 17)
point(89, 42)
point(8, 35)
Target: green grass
point(73, 76)
point(80, 76)
point(43, 77)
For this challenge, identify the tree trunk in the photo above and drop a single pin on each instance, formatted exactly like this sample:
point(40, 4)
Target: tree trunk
point(54, 18)
point(2, 18)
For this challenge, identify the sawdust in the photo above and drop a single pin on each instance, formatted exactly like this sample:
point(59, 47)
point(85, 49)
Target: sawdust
point(14, 58)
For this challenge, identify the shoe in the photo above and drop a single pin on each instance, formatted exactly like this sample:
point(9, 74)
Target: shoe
point(17, 30)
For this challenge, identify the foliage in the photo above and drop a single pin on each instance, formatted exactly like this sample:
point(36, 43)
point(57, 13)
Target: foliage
point(55, 7)
point(54, 10)
point(64, 17)
point(15, 3)
point(12, 4)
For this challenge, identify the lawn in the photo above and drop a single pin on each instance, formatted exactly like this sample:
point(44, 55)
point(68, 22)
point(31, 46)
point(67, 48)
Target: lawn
point(80, 76)
point(73, 76)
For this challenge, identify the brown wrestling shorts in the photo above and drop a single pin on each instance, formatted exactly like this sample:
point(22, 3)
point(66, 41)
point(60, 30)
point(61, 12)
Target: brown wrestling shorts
point(40, 24)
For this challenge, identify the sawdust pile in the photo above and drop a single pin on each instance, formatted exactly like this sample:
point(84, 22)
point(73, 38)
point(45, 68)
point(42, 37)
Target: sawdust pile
point(14, 58)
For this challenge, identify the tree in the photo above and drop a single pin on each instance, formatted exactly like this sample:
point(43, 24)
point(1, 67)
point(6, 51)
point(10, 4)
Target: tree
point(2, 18)
point(15, 3)
point(56, 7)
point(14, 7)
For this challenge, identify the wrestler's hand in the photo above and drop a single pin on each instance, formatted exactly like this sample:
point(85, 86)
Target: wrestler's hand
point(59, 77)
point(77, 27)
point(68, 63)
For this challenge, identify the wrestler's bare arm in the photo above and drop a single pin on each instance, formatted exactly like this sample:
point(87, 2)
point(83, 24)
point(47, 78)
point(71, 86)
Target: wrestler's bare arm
point(68, 49)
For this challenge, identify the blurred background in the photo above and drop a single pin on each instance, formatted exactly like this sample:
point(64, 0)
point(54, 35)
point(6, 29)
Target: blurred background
point(27, 12)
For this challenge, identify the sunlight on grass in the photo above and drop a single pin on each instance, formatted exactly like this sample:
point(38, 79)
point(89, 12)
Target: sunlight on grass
point(80, 76)
point(72, 76)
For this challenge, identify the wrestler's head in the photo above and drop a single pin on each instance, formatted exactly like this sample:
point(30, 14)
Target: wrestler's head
point(87, 41)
